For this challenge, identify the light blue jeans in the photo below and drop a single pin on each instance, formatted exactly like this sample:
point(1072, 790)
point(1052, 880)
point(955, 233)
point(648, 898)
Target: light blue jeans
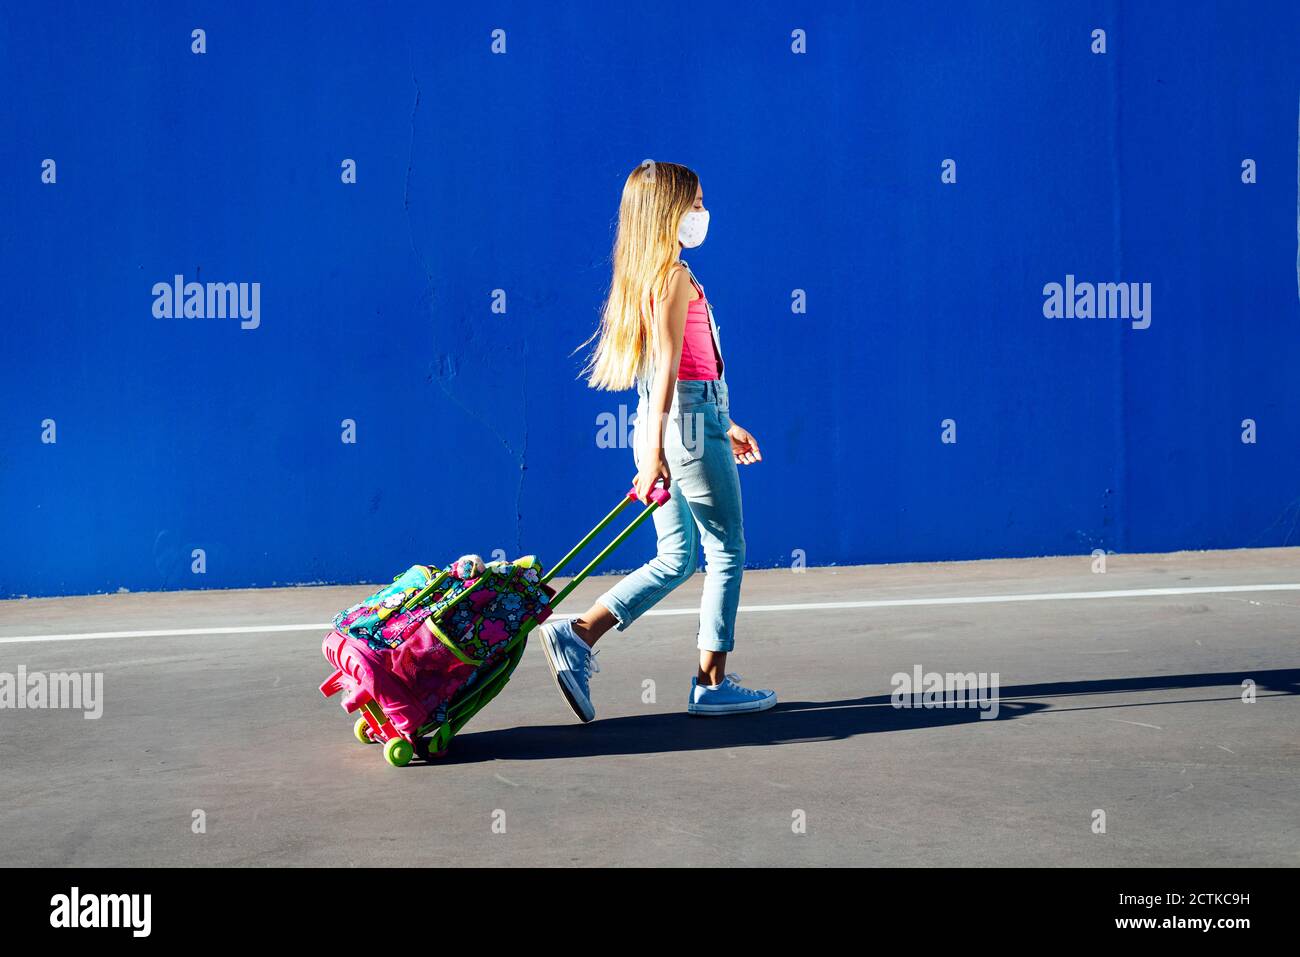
point(705, 507)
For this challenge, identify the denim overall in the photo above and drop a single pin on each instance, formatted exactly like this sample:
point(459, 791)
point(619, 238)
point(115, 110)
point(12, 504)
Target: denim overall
point(705, 508)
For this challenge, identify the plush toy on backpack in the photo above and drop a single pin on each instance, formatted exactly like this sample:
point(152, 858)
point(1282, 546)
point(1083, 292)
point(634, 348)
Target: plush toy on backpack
point(467, 567)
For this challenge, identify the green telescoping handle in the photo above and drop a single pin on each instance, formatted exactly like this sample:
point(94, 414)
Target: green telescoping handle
point(657, 498)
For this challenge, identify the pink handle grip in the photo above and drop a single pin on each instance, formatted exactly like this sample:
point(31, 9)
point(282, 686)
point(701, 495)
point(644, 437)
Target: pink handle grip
point(658, 494)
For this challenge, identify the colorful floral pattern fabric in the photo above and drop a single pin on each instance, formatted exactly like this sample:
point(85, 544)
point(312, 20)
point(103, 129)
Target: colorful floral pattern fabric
point(366, 619)
point(478, 615)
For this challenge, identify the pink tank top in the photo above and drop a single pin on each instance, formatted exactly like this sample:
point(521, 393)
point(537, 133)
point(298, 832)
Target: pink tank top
point(700, 360)
point(699, 355)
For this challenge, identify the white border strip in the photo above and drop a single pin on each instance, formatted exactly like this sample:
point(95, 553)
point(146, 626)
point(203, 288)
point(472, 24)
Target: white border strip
point(800, 606)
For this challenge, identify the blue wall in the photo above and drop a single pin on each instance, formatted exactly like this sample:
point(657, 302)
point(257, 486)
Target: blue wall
point(479, 172)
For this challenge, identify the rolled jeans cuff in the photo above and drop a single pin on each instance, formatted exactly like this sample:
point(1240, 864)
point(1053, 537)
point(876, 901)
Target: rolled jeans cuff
point(622, 614)
point(721, 645)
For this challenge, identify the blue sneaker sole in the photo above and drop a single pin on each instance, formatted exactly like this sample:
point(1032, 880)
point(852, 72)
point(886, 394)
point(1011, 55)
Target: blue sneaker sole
point(562, 678)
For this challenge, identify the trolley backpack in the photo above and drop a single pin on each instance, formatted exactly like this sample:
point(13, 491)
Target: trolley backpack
point(423, 655)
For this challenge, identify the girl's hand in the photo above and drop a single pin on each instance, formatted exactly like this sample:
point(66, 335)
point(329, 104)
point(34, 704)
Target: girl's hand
point(653, 468)
point(743, 446)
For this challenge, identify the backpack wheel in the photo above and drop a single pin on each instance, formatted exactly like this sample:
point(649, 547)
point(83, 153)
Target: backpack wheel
point(398, 752)
point(362, 730)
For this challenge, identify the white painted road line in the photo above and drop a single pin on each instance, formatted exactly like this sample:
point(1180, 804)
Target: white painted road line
point(799, 606)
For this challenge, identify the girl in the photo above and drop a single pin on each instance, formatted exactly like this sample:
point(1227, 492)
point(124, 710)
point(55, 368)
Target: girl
point(657, 332)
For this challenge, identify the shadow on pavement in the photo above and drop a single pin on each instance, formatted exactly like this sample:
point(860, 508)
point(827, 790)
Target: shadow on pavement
point(795, 722)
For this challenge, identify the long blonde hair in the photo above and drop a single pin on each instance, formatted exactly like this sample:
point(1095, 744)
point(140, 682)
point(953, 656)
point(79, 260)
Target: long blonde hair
point(655, 197)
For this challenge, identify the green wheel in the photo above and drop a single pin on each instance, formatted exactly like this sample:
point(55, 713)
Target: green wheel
point(398, 752)
point(362, 730)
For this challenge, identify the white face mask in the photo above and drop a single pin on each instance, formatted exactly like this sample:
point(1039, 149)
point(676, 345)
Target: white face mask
point(694, 227)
